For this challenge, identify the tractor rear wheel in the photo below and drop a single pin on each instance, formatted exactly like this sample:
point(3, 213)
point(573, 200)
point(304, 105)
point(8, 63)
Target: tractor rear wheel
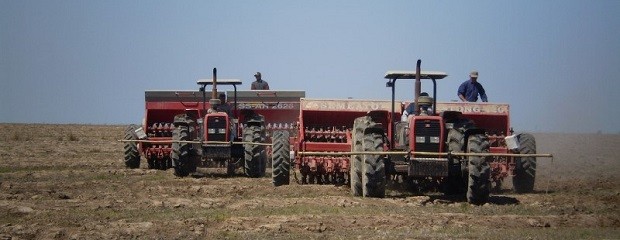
point(525, 169)
point(181, 152)
point(373, 178)
point(132, 156)
point(479, 185)
point(281, 158)
point(355, 178)
point(254, 154)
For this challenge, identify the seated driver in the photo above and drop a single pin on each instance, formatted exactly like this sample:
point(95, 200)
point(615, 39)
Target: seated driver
point(411, 108)
point(224, 106)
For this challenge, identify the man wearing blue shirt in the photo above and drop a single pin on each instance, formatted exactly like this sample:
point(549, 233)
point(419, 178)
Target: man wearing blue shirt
point(469, 90)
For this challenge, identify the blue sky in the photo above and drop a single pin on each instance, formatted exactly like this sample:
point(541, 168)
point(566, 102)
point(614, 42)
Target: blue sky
point(85, 61)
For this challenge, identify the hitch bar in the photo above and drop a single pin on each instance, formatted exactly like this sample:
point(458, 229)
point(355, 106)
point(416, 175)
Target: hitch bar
point(546, 155)
point(543, 155)
point(194, 142)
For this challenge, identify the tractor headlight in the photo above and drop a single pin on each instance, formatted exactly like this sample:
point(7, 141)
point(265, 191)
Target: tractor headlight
point(221, 130)
point(211, 131)
point(420, 139)
point(434, 139)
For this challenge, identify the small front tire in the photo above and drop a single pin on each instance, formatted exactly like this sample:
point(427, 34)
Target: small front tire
point(525, 169)
point(255, 154)
point(181, 151)
point(479, 184)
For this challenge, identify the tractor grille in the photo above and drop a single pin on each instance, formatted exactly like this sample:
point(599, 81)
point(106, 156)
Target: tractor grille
point(428, 129)
point(215, 124)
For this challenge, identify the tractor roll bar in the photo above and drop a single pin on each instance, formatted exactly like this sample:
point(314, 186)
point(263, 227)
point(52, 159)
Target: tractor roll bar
point(205, 82)
point(392, 76)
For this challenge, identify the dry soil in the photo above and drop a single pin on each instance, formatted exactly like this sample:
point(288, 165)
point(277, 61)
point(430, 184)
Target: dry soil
point(69, 182)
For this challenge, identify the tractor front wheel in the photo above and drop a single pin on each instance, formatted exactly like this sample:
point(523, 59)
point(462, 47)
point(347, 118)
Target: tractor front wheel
point(456, 182)
point(374, 180)
point(254, 154)
point(479, 185)
point(525, 169)
point(181, 151)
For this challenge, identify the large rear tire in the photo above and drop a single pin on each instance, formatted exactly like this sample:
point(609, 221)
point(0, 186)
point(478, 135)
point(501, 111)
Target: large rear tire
point(255, 155)
point(479, 185)
point(181, 152)
point(525, 169)
point(132, 156)
point(281, 158)
point(373, 178)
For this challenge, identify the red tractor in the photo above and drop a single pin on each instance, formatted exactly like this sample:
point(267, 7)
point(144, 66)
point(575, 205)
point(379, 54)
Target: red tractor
point(459, 148)
point(182, 130)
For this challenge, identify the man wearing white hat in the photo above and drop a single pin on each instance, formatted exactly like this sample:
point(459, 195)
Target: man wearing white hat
point(470, 89)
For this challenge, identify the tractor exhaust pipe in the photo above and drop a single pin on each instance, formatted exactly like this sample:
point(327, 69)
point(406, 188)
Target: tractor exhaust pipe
point(418, 87)
point(214, 101)
point(214, 90)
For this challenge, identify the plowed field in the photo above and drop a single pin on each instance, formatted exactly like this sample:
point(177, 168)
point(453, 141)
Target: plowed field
point(69, 182)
